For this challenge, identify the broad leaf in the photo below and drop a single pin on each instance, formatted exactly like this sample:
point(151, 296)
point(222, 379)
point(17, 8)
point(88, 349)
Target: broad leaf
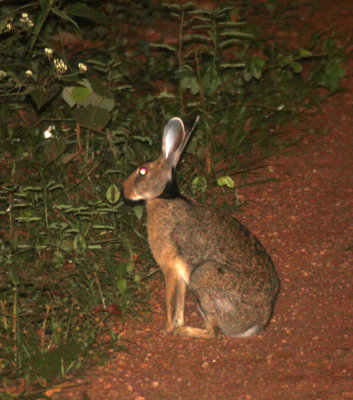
point(113, 194)
point(80, 94)
point(226, 181)
point(43, 96)
point(95, 118)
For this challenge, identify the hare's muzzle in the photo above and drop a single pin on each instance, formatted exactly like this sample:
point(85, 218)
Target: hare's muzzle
point(128, 189)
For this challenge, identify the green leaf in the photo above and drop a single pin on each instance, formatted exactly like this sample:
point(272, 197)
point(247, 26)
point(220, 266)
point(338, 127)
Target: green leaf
point(38, 26)
point(20, 205)
point(138, 210)
point(162, 46)
point(87, 95)
point(296, 67)
point(113, 194)
point(305, 53)
point(99, 88)
point(33, 189)
point(143, 139)
point(84, 11)
point(62, 206)
point(103, 103)
point(52, 185)
point(238, 34)
point(64, 16)
point(79, 244)
point(43, 4)
point(28, 219)
point(94, 247)
point(231, 24)
point(130, 267)
point(233, 65)
point(334, 72)
point(257, 65)
point(199, 184)
point(49, 364)
point(80, 94)
point(196, 37)
point(43, 96)
point(226, 181)
point(190, 82)
point(228, 42)
point(285, 61)
point(211, 81)
point(104, 227)
point(122, 285)
point(221, 11)
point(95, 118)
point(99, 96)
point(67, 96)
point(165, 95)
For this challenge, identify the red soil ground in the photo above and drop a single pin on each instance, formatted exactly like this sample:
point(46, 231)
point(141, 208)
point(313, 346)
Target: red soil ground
point(305, 220)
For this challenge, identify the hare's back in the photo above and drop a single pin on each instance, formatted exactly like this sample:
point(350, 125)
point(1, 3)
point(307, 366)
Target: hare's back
point(203, 233)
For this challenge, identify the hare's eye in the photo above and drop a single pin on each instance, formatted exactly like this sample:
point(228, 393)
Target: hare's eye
point(143, 171)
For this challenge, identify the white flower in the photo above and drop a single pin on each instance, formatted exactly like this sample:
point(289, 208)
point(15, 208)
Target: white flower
point(48, 51)
point(29, 73)
point(48, 132)
point(82, 67)
point(9, 26)
point(26, 21)
point(60, 66)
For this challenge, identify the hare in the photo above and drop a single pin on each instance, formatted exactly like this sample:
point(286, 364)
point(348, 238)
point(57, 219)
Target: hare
point(233, 279)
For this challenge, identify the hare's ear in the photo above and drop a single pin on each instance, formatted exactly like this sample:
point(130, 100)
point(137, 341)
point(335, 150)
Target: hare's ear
point(175, 138)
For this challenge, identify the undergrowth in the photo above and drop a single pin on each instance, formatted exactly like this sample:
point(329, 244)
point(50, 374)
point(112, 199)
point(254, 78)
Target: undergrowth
point(85, 89)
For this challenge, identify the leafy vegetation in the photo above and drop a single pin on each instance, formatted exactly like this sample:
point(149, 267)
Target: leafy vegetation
point(85, 89)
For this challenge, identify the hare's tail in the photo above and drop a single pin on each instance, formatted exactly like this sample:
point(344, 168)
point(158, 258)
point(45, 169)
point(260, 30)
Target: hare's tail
point(254, 330)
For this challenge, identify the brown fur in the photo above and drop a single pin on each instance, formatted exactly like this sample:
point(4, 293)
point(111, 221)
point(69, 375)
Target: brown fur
point(225, 266)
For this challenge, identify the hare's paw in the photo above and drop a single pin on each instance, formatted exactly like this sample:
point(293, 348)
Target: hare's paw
point(195, 332)
point(168, 329)
point(176, 323)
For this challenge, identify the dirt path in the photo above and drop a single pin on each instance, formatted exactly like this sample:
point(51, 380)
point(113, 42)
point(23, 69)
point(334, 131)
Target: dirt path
point(305, 220)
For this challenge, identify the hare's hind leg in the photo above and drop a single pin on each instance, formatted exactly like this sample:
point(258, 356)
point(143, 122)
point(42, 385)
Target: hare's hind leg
point(210, 331)
point(203, 279)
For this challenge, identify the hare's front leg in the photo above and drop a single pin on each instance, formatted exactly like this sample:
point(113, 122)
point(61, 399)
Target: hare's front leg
point(175, 299)
point(176, 279)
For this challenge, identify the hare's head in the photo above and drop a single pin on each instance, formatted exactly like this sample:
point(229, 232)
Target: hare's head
point(153, 179)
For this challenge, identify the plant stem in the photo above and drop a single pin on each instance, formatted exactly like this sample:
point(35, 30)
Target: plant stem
point(180, 60)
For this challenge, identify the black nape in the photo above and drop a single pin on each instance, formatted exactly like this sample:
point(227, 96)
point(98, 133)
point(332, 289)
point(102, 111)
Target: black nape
point(171, 190)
